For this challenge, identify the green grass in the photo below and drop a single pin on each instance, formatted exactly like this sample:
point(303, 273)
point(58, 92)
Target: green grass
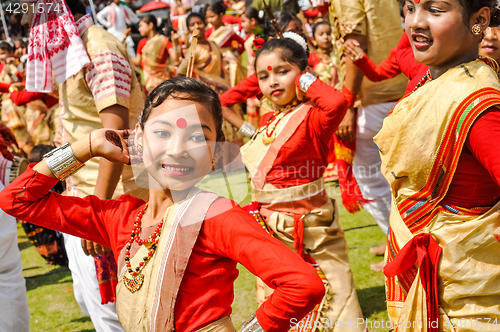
point(53, 307)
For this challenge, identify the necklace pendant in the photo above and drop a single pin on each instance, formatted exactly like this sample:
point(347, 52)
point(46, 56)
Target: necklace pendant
point(134, 284)
point(149, 244)
point(268, 139)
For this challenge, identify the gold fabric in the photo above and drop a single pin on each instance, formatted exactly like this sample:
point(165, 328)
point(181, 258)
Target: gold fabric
point(222, 325)
point(134, 309)
point(154, 73)
point(323, 238)
point(380, 21)
point(410, 142)
point(233, 66)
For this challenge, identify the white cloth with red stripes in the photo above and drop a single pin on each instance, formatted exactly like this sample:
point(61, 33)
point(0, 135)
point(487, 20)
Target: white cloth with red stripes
point(55, 49)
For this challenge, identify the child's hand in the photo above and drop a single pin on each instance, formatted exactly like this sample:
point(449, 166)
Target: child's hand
point(111, 144)
point(353, 50)
point(127, 32)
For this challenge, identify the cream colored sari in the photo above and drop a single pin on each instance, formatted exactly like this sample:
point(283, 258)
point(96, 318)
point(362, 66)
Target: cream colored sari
point(458, 278)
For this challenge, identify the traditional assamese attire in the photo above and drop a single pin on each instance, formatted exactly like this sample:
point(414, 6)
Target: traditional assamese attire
point(225, 37)
point(203, 238)
point(286, 179)
point(155, 60)
point(209, 69)
point(425, 145)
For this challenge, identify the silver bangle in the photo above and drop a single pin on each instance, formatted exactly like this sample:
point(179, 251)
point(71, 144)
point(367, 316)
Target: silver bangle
point(62, 162)
point(247, 129)
point(306, 80)
point(251, 325)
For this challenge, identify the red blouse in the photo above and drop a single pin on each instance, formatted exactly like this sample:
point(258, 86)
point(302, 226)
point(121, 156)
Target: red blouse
point(206, 292)
point(304, 157)
point(248, 88)
point(21, 98)
point(388, 68)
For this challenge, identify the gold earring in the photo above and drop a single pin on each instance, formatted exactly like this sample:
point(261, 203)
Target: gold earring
point(139, 148)
point(476, 29)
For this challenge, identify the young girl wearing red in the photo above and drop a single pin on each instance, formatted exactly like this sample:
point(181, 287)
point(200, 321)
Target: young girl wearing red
point(186, 236)
point(286, 159)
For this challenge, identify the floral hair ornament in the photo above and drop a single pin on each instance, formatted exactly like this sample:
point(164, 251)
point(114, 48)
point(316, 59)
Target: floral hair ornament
point(297, 38)
point(54, 47)
point(260, 38)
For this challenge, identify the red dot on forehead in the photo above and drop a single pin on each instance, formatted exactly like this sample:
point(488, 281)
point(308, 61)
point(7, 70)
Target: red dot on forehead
point(269, 68)
point(181, 123)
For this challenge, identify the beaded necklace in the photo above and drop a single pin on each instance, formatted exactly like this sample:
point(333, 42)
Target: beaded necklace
point(134, 284)
point(269, 137)
point(427, 77)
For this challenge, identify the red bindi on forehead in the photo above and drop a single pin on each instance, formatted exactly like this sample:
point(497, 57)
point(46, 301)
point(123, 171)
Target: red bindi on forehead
point(269, 68)
point(181, 123)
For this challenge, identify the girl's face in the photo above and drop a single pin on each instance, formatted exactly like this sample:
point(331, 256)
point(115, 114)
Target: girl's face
point(145, 28)
point(247, 24)
point(4, 55)
point(490, 45)
point(277, 78)
point(197, 23)
point(437, 33)
point(295, 26)
point(213, 18)
point(323, 36)
point(178, 140)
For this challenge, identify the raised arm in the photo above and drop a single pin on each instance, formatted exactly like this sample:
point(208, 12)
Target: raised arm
point(29, 198)
point(332, 107)
point(247, 88)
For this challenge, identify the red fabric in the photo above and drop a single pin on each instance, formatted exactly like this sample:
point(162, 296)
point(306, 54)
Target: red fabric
point(425, 251)
point(238, 39)
point(247, 88)
point(477, 179)
point(305, 156)
point(4, 87)
point(21, 98)
point(206, 292)
point(298, 233)
point(141, 44)
point(318, 11)
point(106, 271)
point(4, 151)
point(228, 19)
point(313, 60)
point(387, 69)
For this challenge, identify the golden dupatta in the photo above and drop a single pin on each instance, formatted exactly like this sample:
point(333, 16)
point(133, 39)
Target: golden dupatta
point(152, 53)
point(151, 307)
point(420, 145)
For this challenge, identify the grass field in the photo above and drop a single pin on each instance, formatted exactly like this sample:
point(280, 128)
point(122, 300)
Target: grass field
point(53, 307)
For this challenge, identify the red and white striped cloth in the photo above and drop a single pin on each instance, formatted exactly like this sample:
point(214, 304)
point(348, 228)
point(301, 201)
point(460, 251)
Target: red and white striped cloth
point(55, 47)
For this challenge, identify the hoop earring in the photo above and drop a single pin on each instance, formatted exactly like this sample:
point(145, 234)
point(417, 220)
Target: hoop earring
point(476, 29)
point(139, 148)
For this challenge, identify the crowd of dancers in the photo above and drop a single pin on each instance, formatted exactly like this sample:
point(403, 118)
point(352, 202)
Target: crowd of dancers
point(396, 102)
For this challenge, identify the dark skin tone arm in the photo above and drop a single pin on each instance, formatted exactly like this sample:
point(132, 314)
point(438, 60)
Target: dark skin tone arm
point(113, 117)
point(353, 80)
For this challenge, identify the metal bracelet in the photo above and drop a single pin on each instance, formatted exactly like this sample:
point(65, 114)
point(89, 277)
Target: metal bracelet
point(251, 325)
point(247, 129)
point(62, 162)
point(306, 80)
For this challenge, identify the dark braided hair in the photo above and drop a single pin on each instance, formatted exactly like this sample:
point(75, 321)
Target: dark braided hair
point(184, 88)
